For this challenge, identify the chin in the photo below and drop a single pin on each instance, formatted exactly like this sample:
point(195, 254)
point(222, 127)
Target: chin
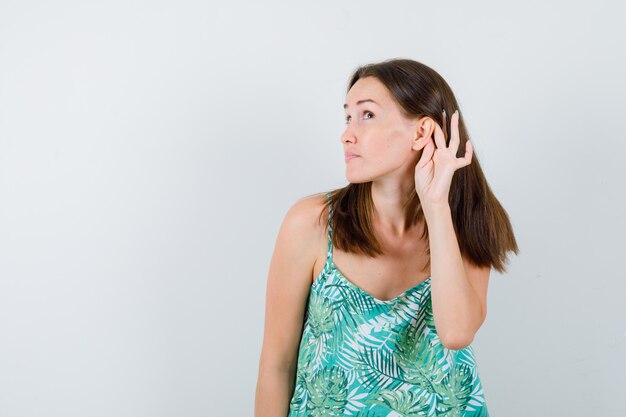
point(357, 179)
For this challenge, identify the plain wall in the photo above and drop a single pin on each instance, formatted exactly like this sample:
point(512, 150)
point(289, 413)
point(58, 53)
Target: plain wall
point(149, 151)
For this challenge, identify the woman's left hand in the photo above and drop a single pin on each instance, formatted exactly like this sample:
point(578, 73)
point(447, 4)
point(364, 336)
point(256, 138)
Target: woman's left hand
point(434, 170)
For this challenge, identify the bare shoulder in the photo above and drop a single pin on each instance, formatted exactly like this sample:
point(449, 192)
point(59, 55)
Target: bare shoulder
point(306, 214)
point(301, 234)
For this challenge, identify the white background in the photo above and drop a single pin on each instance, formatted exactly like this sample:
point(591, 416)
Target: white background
point(149, 151)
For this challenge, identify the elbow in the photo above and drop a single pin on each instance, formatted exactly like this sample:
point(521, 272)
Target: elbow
point(460, 337)
point(457, 341)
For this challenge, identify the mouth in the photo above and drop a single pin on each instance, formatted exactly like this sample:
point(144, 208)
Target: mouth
point(349, 157)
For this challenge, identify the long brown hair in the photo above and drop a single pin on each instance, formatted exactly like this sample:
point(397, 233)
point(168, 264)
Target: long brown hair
point(484, 232)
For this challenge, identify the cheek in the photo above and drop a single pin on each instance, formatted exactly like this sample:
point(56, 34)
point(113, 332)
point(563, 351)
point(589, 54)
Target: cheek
point(387, 149)
point(396, 148)
point(386, 156)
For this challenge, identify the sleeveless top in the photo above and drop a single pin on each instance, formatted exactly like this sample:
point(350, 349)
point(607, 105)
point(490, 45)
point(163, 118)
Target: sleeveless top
point(361, 356)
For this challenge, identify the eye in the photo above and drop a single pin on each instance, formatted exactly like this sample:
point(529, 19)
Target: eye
point(364, 112)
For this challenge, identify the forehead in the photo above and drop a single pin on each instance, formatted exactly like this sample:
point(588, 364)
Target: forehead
point(368, 88)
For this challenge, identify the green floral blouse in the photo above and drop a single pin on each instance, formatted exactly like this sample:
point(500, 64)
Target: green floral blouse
point(361, 356)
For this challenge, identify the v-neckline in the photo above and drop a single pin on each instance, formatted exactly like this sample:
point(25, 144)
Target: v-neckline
point(362, 291)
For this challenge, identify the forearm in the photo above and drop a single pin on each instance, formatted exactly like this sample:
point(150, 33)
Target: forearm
point(456, 306)
point(273, 393)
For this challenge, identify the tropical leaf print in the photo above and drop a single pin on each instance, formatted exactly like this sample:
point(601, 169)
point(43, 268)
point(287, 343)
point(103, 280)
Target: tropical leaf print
point(320, 315)
point(317, 333)
point(377, 369)
point(421, 359)
point(327, 393)
point(298, 399)
point(405, 403)
point(350, 297)
point(465, 356)
point(364, 357)
point(454, 392)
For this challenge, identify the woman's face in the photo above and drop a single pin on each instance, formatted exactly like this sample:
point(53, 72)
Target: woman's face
point(386, 141)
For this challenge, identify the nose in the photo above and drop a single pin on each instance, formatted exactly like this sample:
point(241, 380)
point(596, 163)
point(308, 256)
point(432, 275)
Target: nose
point(347, 136)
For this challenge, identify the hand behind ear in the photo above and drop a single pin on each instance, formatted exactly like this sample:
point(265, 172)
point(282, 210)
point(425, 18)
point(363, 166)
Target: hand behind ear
point(438, 163)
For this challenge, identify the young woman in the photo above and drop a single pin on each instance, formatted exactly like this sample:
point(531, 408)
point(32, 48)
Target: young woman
point(377, 289)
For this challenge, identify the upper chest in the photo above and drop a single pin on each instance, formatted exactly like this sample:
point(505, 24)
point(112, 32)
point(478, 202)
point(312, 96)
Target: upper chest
point(403, 266)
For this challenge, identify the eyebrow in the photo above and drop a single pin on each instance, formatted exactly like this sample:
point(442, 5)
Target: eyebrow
point(345, 105)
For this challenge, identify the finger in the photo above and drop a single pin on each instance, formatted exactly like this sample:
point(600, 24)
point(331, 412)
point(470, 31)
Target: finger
point(469, 152)
point(440, 139)
point(427, 154)
point(454, 127)
point(445, 124)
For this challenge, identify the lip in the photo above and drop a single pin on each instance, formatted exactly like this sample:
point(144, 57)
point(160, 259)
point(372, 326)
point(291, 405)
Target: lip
point(349, 155)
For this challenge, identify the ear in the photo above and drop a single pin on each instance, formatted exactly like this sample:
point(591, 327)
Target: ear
point(423, 132)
